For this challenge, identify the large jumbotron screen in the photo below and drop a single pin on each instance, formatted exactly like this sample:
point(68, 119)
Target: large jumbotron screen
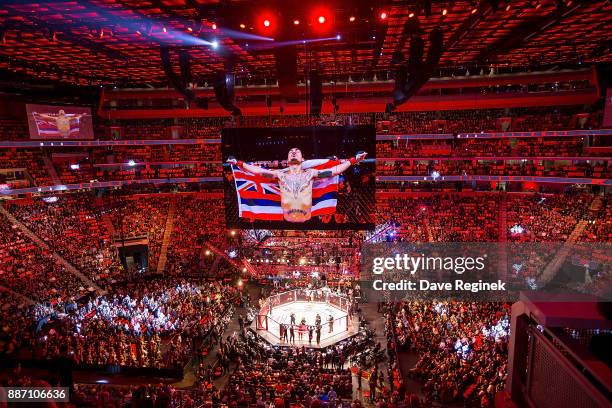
point(300, 178)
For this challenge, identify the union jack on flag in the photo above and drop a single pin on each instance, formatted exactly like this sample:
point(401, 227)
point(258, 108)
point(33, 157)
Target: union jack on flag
point(259, 197)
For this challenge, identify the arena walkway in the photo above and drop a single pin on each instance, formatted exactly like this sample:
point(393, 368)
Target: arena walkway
point(376, 322)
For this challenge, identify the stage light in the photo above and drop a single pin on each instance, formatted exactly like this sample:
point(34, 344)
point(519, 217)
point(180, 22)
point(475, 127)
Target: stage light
point(207, 252)
point(383, 15)
point(214, 44)
point(214, 26)
point(266, 23)
point(75, 166)
point(242, 26)
point(131, 163)
point(338, 37)
point(352, 18)
point(474, 10)
point(190, 29)
point(244, 269)
point(321, 19)
point(233, 233)
point(240, 283)
point(410, 15)
point(296, 22)
point(508, 7)
point(444, 12)
point(164, 30)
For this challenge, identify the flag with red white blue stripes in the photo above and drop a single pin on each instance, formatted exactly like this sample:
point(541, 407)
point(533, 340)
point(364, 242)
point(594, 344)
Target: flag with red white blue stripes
point(47, 127)
point(259, 197)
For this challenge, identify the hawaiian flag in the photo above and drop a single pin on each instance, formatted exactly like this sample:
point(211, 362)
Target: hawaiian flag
point(259, 197)
point(48, 127)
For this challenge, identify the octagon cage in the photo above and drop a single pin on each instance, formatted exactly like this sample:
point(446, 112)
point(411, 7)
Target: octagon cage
point(299, 308)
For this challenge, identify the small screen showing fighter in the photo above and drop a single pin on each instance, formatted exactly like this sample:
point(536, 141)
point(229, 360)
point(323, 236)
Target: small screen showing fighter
point(300, 178)
point(59, 122)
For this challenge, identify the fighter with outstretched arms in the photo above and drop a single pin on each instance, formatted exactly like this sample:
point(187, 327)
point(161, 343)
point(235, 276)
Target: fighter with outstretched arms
point(296, 182)
point(62, 121)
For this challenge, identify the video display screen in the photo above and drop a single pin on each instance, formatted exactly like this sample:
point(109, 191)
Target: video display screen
point(59, 122)
point(300, 178)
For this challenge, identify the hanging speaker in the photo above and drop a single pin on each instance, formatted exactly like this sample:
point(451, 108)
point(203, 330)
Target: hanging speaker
point(173, 78)
point(286, 72)
point(316, 93)
point(223, 84)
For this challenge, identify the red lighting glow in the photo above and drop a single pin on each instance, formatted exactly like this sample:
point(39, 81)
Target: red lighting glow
point(321, 20)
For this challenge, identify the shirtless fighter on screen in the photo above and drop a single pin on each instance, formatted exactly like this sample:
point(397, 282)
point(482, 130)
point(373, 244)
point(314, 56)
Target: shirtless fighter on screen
point(62, 121)
point(295, 182)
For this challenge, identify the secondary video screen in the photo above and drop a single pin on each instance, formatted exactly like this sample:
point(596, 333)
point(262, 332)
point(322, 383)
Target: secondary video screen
point(59, 122)
point(300, 178)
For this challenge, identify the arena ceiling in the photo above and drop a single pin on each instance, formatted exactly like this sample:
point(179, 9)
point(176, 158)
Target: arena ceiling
point(117, 42)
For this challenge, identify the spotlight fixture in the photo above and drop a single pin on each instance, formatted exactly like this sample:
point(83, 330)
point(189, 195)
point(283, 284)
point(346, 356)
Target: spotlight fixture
point(296, 22)
point(383, 15)
point(444, 12)
point(321, 19)
point(266, 23)
point(214, 26)
point(214, 44)
point(352, 18)
point(242, 26)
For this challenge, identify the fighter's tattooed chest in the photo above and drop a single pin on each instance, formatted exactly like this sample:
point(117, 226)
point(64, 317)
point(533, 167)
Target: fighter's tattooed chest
point(296, 184)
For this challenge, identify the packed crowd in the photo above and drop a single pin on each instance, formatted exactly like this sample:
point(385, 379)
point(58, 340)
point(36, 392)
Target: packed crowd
point(515, 167)
point(462, 349)
point(73, 227)
point(567, 146)
point(441, 217)
point(151, 324)
point(31, 270)
point(545, 218)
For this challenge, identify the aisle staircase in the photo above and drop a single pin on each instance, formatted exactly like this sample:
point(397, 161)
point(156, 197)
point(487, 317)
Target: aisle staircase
point(163, 254)
point(502, 238)
point(215, 265)
point(553, 266)
point(503, 219)
point(108, 223)
point(67, 265)
point(50, 167)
